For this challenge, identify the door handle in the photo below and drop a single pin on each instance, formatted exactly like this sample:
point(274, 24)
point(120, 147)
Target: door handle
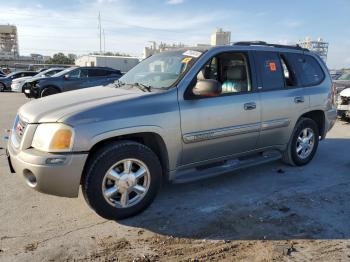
point(299, 99)
point(249, 106)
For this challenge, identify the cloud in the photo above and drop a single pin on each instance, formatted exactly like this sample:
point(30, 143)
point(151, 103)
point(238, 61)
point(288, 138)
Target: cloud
point(175, 2)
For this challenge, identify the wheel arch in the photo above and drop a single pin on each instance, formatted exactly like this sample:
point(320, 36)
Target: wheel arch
point(150, 139)
point(320, 119)
point(51, 86)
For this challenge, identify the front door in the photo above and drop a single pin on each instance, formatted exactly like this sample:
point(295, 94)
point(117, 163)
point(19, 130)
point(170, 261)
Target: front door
point(228, 123)
point(76, 79)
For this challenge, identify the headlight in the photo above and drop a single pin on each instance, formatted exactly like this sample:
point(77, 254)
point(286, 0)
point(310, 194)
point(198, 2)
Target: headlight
point(55, 137)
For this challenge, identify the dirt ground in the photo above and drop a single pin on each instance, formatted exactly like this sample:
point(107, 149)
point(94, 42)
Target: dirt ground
point(267, 213)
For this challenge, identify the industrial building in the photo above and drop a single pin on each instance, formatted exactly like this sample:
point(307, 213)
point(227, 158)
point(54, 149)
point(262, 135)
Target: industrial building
point(220, 37)
point(318, 46)
point(122, 63)
point(8, 41)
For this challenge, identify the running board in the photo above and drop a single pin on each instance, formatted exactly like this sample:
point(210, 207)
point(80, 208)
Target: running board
point(223, 167)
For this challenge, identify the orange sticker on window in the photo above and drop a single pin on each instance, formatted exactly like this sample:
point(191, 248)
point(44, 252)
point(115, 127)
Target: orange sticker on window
point(186, 60)
point(272, 66)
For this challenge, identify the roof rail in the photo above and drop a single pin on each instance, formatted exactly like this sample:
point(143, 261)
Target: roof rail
point(262, 43)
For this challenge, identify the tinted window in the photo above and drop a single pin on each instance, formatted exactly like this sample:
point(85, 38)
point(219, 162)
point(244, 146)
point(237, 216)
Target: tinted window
point(29, 73)
point(113, 73)
point(289, 72)
point(270, 69)
point(308, 68)
point(97, 72)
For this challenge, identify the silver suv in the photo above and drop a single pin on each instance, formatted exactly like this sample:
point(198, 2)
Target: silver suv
point(177, 116)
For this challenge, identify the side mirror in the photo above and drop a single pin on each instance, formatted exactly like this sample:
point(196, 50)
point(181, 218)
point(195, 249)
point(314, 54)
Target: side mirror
point(207, 87)
point(66, 77)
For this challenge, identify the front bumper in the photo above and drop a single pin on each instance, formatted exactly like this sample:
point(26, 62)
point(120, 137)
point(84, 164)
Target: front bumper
point(31, 92)
point(16, 87)
point(55, 179)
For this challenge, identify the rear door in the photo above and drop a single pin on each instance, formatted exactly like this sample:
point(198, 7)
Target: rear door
point(282, 97)
point(97, 76)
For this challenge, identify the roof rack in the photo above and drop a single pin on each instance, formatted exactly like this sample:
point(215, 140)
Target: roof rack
point(262, 43)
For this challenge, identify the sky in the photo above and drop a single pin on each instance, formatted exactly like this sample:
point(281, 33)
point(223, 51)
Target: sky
point(71, 26)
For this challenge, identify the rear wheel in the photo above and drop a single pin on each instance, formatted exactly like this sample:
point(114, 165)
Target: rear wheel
point(303, 145)
point(122, 179)
point(48, 91)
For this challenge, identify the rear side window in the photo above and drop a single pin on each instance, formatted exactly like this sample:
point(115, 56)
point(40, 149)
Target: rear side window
point(97, 72)
point(271, 72)
point(308, 68)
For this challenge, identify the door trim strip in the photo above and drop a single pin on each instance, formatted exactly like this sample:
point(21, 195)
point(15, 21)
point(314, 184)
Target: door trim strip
point(234, 130)
point(220, 132)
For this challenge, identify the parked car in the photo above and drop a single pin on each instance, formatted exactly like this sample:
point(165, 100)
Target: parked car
point(2, 73)
point(179, 116)
point(5, 82)
point(71, 79)
point(342, 82)
point(19, 83)
point(343, 107)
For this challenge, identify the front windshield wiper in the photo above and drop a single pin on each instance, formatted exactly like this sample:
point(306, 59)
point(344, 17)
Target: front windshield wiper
point(142, 87)
point(118, 83)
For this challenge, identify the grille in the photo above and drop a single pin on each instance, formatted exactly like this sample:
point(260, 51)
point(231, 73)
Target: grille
point(20, 127)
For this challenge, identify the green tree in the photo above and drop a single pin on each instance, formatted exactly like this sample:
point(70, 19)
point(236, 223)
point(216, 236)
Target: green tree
point(62, 59)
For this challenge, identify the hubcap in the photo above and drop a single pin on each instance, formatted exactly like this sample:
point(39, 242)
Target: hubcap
point(126, 183)
point(305, 143)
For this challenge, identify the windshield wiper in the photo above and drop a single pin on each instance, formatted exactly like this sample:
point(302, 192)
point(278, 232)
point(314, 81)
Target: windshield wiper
point(142, 87)
point(118, 83)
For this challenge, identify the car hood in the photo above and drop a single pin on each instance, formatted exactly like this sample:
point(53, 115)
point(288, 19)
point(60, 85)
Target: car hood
point(54, 108)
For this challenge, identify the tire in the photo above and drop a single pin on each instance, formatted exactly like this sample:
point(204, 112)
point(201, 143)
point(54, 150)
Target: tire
point(96, 183)
point(293, 155)
point(2, 87)
point(48, 91)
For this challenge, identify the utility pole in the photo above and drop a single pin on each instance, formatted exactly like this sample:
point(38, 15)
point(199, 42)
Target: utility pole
point(100, 29)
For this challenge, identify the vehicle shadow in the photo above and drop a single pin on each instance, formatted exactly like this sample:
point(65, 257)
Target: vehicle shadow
point(273, 201)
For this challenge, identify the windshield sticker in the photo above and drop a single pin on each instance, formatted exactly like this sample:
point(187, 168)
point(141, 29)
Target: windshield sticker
point(186, 60)
point(192, 53)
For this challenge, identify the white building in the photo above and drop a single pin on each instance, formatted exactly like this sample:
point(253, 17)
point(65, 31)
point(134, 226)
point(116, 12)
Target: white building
point(154, 48)
point(220, 37)
point(122, 63)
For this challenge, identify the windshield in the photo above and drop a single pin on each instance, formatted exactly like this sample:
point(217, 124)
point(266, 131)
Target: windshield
point(344, 77)
point(161, 70)
point(62, 73)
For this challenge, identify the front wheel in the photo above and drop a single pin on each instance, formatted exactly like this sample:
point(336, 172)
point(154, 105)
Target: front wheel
point(48, 91)
point(122, 179)
point(303, 144)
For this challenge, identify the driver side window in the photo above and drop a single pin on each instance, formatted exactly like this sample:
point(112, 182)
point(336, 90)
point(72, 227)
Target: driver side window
point(79, 73)
point(230, 70)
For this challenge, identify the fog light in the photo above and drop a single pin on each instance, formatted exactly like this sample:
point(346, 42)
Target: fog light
point(30, 178)
point(55, 161)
